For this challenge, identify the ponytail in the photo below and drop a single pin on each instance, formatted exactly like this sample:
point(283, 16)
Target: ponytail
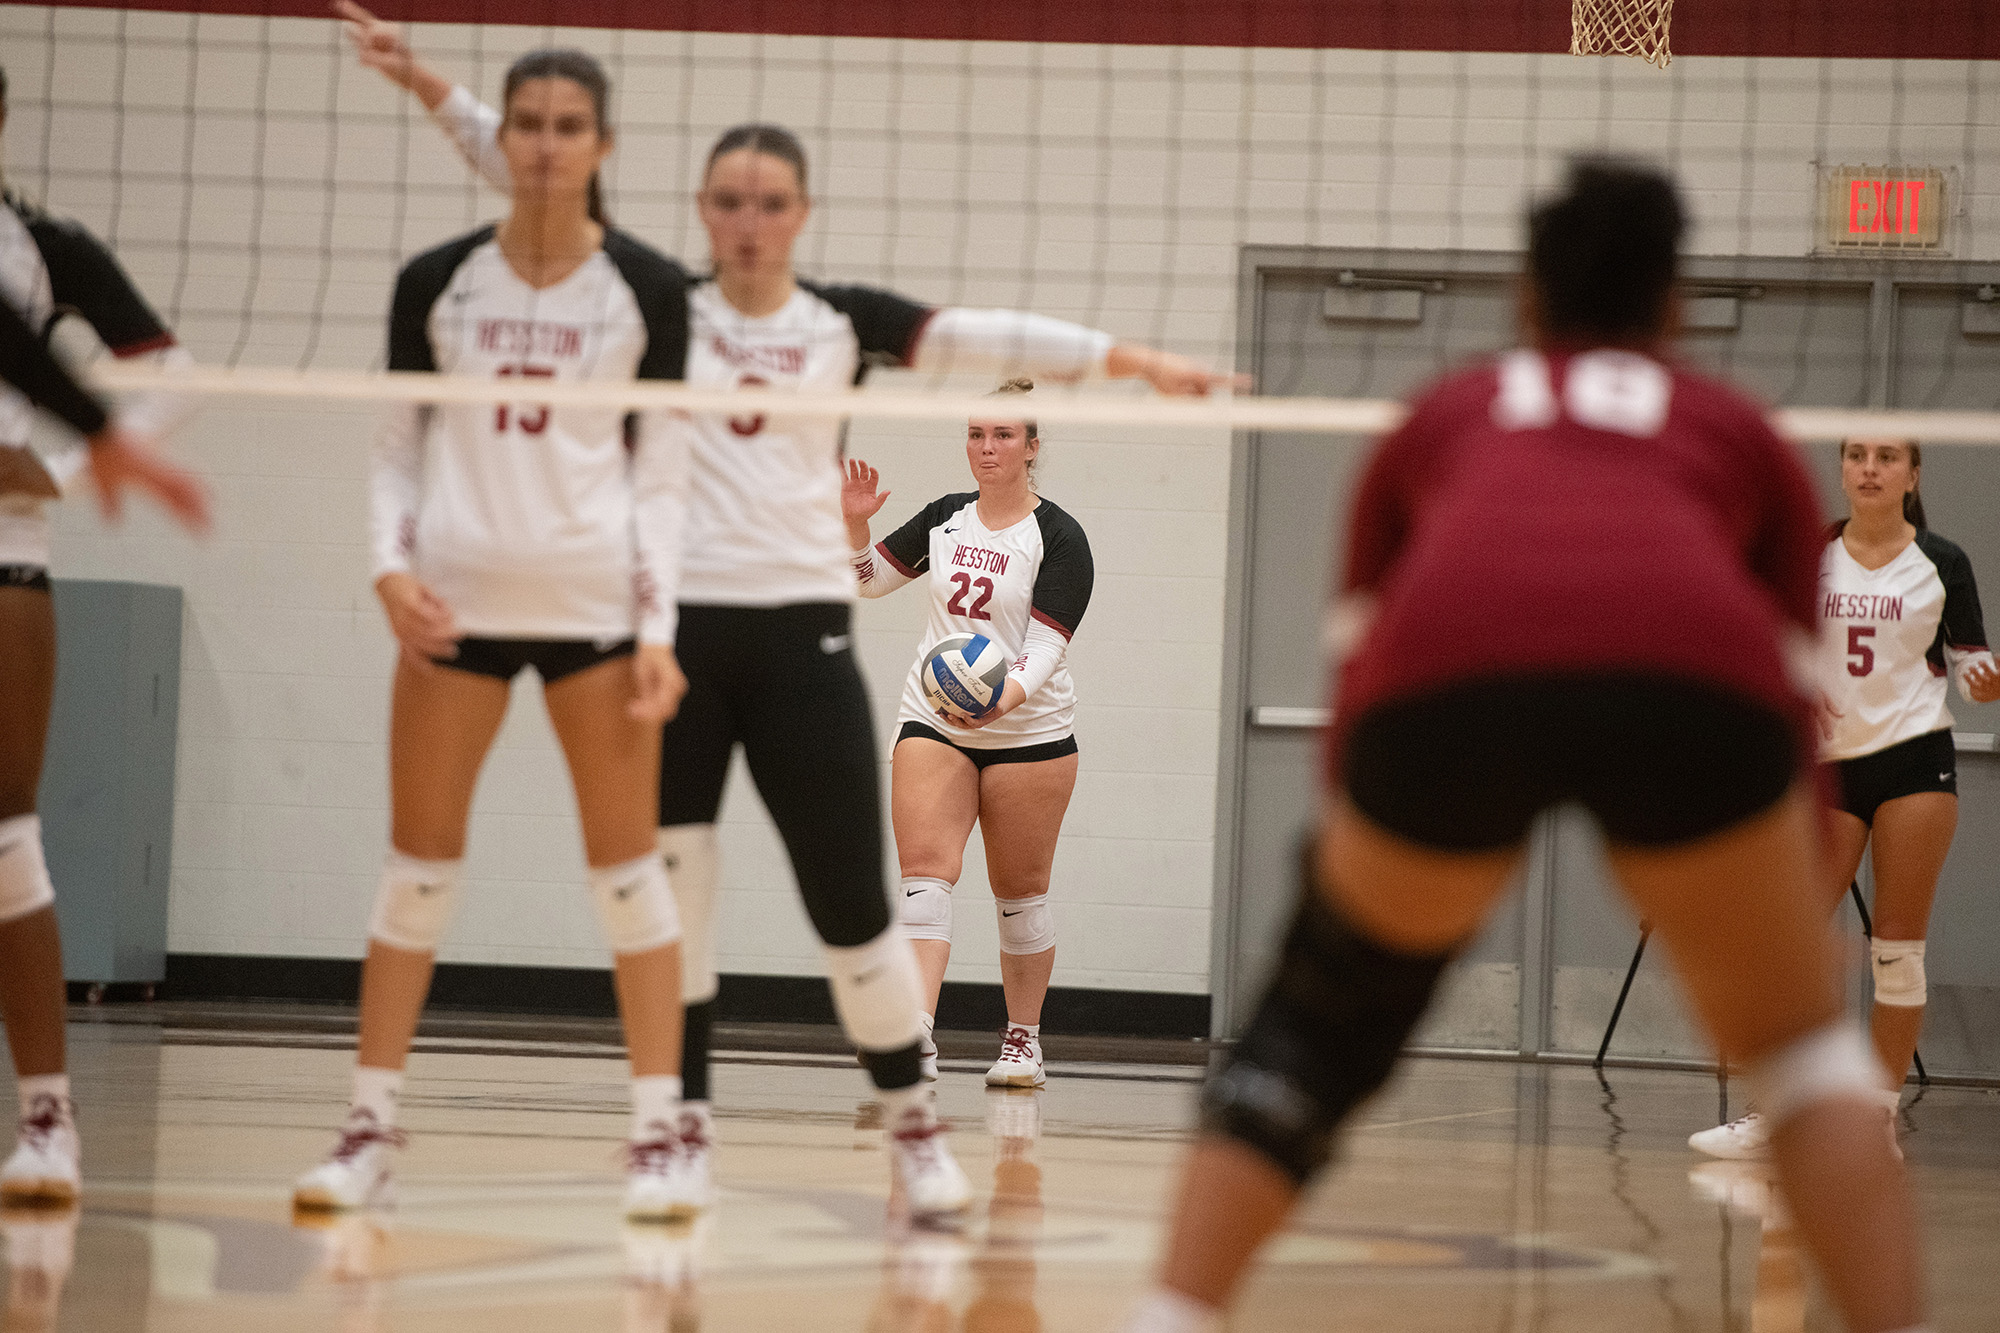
point(1913, 503)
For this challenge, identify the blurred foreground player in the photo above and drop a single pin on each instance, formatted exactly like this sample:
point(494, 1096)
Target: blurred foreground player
point(43, 1167)
point(1576, 574)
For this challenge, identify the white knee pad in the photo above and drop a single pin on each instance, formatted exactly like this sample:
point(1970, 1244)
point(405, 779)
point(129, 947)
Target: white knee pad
point(1026, 924)
point(24, 872)
point(877, 992)
point(1899, 973)
point(635, 904)
point(692, 856)
point(1834, 1063)
point(415, 902)
point(926, 909)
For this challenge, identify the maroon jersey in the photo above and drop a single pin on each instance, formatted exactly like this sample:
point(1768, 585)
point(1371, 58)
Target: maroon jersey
point(1580, 512)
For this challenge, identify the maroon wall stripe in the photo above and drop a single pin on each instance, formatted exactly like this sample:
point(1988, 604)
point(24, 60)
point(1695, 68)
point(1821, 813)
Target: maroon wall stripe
point(1920, 29)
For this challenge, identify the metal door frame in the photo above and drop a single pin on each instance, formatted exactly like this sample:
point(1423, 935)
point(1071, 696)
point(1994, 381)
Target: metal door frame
point(1884, 277)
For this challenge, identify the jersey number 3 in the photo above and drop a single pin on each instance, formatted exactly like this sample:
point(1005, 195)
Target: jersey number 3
point(531, 420)
point(965, 583)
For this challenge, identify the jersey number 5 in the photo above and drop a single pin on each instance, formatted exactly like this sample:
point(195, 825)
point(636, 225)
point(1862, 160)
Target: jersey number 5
point(532, 420)
point(965, 584)
point(1860, 656)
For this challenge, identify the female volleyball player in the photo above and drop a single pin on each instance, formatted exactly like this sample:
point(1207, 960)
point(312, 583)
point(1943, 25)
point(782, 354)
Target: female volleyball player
point(515, 535)
point(47, 266)
point(767, 593)
point(1899, 615)
point(1010, 565)
point(1573, 574)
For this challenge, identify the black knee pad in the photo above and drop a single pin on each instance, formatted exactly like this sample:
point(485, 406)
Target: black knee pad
point(1325, 1036)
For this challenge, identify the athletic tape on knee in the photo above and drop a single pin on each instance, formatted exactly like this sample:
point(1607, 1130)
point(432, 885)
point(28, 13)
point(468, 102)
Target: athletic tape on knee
point(1026, 924)
point(877, 992)
point(415, 901)
point(692, 856)
point(1834, 1063)
point(1324, 1038)
point(925, 910)
point(1899, 973)
point(635, 905)
point(25, 887)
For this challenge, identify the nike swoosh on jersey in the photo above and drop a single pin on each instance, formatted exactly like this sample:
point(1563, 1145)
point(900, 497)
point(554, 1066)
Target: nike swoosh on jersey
point(833, 643)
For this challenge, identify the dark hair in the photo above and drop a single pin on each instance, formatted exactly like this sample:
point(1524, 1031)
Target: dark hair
point(773, 140)
point(1603, 254)
point(1020, 387)
point(3, 87)
point(581, 69)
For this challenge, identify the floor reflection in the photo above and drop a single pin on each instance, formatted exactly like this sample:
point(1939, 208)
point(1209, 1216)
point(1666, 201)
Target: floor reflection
point(1749, 1189)
point(41, 1250)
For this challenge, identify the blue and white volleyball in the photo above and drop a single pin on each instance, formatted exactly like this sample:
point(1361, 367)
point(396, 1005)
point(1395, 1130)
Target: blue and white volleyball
point(964, 674)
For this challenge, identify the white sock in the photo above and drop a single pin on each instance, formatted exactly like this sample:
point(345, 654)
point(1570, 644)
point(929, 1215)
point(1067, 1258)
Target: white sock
point(1032, 1029)
point(656, 1100)
point(898, 1102)
point(43, 1085)
point(1168, 1311)
point(377, 1091)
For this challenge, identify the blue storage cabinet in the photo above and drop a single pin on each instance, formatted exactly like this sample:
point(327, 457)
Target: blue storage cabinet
point(107, 794)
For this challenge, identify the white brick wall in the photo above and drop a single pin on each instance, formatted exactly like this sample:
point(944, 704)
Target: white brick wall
point(1109, 185)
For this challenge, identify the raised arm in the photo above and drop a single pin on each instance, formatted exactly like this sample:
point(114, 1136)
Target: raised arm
point(471, 125)
point(958, 338)
point(874, 574)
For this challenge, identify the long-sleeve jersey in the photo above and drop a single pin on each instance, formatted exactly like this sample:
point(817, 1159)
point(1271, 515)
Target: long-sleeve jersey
point(1893, 637)
point(50, 267)
point(1580, 513)
point(764, 524)
point(1025, 587)
point(530, 521)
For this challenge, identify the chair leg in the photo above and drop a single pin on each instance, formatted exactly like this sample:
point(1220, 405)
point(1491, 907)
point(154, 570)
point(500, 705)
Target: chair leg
point(1645, 933)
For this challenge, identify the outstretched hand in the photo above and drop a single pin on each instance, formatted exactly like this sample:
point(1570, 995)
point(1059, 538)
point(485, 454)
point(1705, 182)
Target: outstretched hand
point(119, 458)
point(383, 46)
point(859, 498)
point(1169, 372)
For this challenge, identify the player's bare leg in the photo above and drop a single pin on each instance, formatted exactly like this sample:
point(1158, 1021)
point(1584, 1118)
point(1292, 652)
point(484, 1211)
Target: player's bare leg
point(1912, 838)
point(1021, 808)
point(1759, 967)
point(1404, 899)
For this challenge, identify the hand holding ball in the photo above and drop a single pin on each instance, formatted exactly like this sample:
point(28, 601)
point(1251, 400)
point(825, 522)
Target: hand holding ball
point(965, 674)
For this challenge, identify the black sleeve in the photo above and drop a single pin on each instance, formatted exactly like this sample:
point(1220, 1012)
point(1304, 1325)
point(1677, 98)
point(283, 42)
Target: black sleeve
point(661, 287)
point(1063, 583)
point(29, 366)
point(418, 288)
point(1962, 628)
point(86, 277)
point(909, 547)
point(887, 325)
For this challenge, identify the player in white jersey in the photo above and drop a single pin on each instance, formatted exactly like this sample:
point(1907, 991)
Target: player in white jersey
point(1899, 618)
point(1010, 565)
point(512, 535)
point(50, 267)
point(767, 594)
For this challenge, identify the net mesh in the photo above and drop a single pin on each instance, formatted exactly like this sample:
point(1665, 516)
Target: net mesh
point(1622, 28)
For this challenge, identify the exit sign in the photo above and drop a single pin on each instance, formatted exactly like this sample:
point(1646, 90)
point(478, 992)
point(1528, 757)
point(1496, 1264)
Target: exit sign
point(1876, 209)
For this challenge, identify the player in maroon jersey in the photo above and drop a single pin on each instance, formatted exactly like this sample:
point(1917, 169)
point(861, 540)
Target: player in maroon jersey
point(1576, 574)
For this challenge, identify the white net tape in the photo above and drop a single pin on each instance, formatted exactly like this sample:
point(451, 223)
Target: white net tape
point(1327, 416)
point(1621, 28)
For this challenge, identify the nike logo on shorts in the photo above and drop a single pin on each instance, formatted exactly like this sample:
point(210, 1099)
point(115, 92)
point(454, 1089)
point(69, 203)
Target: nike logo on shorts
point(1944, 777)
point(833, 643)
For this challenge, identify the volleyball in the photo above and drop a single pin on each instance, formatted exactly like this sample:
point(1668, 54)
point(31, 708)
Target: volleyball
point(965, 673)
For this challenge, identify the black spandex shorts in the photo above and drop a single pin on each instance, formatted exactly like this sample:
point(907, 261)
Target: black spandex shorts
point(35, 578)
point(985, 759)
point(552, 659)
point(1923, 763)
point(1659, 760)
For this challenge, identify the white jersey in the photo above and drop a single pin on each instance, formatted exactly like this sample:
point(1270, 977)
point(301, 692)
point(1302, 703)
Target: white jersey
point(533, 522)
point(1025, 587)
point(1892, 637)
point(50, 265)
point(764, 524)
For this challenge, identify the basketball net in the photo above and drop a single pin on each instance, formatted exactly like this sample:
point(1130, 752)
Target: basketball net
point(1621, 28)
